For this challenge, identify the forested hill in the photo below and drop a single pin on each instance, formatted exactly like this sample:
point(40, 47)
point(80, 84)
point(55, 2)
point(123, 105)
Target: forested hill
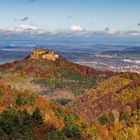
point(45, 97)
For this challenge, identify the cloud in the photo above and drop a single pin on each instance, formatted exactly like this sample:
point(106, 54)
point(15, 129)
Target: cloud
point(24, 19)
point(117, 32)
point(23, 28)
point(138, 24)
point(69, 17)
point(76, 28)
point(91, 23)
point(112, 31)
point(132, 33)
point(31, 31)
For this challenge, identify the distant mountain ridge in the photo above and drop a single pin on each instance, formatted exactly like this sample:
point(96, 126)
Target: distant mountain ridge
point(131, 50)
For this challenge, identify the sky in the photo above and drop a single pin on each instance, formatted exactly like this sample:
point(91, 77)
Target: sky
point(70, 18)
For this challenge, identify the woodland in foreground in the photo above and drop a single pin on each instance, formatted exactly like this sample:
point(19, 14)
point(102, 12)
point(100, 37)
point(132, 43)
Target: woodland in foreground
point(58, 100)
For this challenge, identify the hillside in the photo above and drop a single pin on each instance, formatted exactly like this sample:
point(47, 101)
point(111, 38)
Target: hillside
point(115, 93)
point(50, 98)
point(50, 75)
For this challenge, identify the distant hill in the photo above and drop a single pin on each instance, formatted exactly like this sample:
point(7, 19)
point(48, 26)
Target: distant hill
point(9, 56)
point(122, 52)
point(131, 50)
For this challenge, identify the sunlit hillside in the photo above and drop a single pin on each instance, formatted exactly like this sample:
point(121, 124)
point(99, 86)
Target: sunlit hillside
point(50, 98)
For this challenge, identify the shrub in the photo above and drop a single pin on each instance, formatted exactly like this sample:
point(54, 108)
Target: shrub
point(58, 111)
point(19, 100)
point(123, 117)
point(1, 93)
point(19, 67)
point(93, 133)
point(25, 99)
point(15, 124)
point(8, 120)
point(73, 131)
point(63, 101)
point(56, 135)
point(111, 118)
point(134, 117)
point(103, 119)
point(36, 116)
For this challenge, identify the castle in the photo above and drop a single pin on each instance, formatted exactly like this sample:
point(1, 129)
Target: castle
point(43, 54)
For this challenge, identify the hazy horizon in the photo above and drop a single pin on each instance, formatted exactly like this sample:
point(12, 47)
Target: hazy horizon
point(93, 21)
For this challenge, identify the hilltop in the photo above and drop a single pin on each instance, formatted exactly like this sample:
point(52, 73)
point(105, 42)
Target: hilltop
point(48, 74)
point(63, 100)
point(43, 54)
